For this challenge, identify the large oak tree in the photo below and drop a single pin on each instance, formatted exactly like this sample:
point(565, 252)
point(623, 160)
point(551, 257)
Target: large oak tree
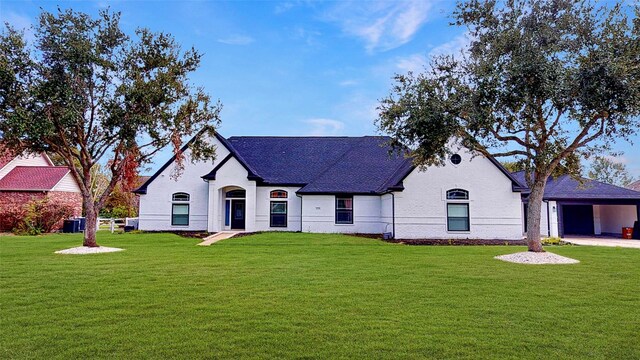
point(89, 93)
point(541, 82)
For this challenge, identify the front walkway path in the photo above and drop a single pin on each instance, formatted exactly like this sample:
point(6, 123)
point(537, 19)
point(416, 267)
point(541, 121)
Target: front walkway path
point(211, 239)
point(603, 241)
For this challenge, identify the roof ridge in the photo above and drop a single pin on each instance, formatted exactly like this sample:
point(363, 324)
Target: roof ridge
point(603, 183)
point(304, 137)
point(331, 165)
point(385, 184)
point(42, 166)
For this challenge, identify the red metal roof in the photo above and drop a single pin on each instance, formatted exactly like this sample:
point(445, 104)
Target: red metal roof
point(33, 178)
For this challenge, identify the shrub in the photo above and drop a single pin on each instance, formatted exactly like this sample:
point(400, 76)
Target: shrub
point(42, 216)
point(551, 241)
point(11, 215)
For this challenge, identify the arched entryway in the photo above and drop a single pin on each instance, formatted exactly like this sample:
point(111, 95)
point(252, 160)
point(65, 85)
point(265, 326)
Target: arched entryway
point(234, 208)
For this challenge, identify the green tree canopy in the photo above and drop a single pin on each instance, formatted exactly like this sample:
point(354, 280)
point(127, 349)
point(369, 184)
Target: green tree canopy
point(541, 81)
point(609, 171)
point(91, 94)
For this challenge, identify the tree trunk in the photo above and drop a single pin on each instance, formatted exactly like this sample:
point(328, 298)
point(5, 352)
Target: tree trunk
point(91, 227)
point(533, 214)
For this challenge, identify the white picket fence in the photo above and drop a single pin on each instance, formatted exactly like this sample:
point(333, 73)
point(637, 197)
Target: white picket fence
point(117, 223)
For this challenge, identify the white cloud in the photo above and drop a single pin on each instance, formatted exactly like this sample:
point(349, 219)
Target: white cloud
point(324, 127)
point(348, 82)
point(453, 47)
point(308, 36)
point(617, 158)
point(382, 25)
point(415, 63)
point(237, 40)
point(284, 7)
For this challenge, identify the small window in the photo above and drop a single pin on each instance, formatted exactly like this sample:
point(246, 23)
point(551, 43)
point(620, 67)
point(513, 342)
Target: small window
point(180, 197)
point(344, 210)
point(227, 212)
point(457, 194)
point(278, 194)
point(458, 217)
point(278, 214)
point(180, 214)
point(236, 194)
point(456, 159)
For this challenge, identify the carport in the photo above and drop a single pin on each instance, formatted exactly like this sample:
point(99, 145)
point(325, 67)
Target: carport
point(596, 216)
point(585, 208)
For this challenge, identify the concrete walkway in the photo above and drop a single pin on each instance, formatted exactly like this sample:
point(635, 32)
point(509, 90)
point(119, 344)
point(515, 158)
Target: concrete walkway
point(212, 239)
point(603, 241)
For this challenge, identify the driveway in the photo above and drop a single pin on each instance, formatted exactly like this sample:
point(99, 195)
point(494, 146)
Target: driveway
point(602, 241)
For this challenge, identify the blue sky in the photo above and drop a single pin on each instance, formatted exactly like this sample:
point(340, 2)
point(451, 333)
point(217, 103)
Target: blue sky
point(294, 67)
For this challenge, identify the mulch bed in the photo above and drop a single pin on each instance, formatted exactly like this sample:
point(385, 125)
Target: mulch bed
point(457, 242)
point(187, 234)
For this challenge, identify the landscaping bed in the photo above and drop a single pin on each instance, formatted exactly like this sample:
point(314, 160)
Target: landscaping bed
point(459, 242)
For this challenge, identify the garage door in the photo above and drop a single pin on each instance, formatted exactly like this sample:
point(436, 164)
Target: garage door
point(577, 219)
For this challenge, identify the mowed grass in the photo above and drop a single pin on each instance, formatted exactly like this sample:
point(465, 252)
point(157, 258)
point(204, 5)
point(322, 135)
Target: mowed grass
point(311, 296)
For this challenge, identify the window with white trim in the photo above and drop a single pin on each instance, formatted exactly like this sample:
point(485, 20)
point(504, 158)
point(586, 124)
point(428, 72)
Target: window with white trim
point(344, 209)
point(458, 210)
point(278, 194)
point(180, 209)
point(457, 194)
point(278, 214)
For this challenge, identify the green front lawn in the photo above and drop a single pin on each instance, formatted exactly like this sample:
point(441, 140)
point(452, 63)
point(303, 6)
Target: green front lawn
point(313, 296)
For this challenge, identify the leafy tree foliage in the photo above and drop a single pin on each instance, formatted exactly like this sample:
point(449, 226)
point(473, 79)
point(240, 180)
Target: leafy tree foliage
point(91, 94)
point(546, 82)
point(610, 172)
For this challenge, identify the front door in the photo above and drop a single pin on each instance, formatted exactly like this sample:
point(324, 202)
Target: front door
point(237, 214)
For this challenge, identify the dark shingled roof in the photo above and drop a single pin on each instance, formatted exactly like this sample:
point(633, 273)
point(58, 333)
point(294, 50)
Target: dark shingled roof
point(566, 188)
point(319, 165)
point(634, 185)
point(322, 164)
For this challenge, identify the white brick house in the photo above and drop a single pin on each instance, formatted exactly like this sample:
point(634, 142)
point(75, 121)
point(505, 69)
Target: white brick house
point(333, 185)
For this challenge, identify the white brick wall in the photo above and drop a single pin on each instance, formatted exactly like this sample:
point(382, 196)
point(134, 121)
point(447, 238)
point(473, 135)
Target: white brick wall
point(495, 210)
point(318, 215)
point(155, 205)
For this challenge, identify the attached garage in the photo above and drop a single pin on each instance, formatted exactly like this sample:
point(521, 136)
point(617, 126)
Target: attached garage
point(585, 208)
point(577, 219)
point(597, 217)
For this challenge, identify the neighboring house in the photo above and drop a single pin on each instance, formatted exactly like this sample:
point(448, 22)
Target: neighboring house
point(586, 207)
point(333, 185)
point(33, 176)
point(634, 185)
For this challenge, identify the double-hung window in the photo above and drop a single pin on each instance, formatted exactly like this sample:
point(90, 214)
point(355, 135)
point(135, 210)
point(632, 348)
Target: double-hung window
point(344, 209)
point(458, 210)
point(278, 215)
point(180, 209)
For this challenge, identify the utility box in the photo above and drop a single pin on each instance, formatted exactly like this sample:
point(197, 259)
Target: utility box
point(83, 223)
point(71, 226)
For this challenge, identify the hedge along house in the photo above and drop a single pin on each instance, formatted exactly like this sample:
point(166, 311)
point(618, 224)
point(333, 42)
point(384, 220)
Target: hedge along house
point(33, 176)
point(585, 208)
point(333, 185)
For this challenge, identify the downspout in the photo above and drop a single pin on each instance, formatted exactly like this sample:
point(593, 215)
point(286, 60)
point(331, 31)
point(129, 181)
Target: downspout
point(300, 196)
point(393, 215)
point(548, 220)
